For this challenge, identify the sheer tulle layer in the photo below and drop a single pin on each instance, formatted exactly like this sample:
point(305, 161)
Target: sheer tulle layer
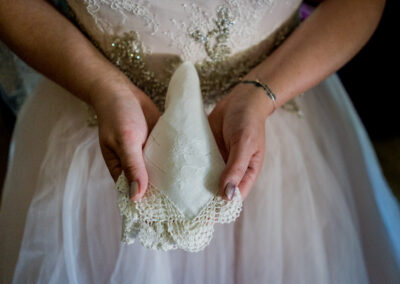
point(313, 216)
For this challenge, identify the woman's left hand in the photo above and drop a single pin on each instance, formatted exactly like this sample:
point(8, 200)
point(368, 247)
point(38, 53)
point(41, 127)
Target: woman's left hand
point(238, 124)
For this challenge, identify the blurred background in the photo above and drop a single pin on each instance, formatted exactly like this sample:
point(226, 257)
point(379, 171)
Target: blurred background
point(369, 78)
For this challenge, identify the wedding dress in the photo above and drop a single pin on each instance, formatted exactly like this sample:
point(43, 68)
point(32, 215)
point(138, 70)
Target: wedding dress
point(319, 212)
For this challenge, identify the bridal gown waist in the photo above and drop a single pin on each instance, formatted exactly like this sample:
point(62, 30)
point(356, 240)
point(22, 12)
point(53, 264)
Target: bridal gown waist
point(218, 71)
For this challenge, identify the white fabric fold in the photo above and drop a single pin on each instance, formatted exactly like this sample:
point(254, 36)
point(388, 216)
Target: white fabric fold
point(184, 167)
point(181, 155)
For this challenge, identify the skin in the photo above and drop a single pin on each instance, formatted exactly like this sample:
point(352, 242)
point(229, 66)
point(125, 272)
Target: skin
point(322, 44)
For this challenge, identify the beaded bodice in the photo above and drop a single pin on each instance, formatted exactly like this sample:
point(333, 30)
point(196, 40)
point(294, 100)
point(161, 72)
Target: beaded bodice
point(147, 40)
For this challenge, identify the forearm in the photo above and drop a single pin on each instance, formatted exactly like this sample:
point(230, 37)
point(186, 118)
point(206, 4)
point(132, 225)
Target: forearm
point(323, 43)
point(52, 45)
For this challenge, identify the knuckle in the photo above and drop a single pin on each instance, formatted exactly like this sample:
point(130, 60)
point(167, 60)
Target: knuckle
point(251, 176)
point(258, 158)
point(132, 167)
point(237, 171)
point(126, 135)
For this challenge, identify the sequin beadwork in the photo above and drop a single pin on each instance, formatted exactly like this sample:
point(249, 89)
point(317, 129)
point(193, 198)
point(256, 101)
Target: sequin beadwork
point(219, 71)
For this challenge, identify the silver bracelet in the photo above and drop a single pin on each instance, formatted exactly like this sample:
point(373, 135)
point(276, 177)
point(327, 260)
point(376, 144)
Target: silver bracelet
point(258, 83)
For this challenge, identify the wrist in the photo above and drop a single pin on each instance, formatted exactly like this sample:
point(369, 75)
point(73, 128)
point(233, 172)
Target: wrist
point(253, 100)
point(265, 99)
point(264, 103)
point(105, 90)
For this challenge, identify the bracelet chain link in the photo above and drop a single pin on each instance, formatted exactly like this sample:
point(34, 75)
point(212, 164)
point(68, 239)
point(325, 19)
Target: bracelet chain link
point(263, 85)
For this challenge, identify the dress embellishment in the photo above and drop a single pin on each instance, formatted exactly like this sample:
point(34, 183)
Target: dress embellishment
point(125, 8)
point(215, 40)
point(219, 71)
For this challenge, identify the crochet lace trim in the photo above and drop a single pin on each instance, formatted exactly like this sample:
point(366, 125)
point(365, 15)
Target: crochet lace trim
point(156, 222)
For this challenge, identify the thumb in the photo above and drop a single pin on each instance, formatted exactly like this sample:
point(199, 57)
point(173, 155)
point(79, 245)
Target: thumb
point(236, 166)
point(134, 168)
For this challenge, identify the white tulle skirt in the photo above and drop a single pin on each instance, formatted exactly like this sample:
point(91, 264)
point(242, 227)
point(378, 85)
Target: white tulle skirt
point(320, 211)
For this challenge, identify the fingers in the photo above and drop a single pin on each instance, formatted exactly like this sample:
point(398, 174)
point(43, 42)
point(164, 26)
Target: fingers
point(126, 154)
point(245, 160)
point(239, 156)
point(251, 174)
point(112, 161)
point(132, 163)
point(216, 128)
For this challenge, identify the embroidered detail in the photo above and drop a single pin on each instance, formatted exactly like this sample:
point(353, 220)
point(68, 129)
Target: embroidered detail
point(292, 106)
point(139, 8)
point(129, 55)
point(215, 40)
point(156, 222)
point(218, 72)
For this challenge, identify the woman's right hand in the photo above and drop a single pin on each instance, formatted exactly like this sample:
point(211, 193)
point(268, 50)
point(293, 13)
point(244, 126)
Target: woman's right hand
point(125, 117)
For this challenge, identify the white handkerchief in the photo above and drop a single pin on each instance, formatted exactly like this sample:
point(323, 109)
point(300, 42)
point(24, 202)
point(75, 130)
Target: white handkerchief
point(184, 165)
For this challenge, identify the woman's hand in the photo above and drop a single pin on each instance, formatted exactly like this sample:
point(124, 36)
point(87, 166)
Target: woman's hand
point(125, 118)
point(238, 124)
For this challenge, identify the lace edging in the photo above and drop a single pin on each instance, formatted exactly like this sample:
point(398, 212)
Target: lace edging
point(156, 222)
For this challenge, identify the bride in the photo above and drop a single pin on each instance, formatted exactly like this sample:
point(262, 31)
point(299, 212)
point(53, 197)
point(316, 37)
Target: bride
point(316, 206)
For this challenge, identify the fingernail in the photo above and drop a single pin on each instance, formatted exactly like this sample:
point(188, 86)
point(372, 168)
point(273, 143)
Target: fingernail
point(133, 189)
point(229, 190)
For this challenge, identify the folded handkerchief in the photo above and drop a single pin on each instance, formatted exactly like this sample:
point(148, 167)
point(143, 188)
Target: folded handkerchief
point(182, 202)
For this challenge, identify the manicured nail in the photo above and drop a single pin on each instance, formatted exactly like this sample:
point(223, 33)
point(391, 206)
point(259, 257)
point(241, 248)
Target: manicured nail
point(230, 190)
point(133, 189)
